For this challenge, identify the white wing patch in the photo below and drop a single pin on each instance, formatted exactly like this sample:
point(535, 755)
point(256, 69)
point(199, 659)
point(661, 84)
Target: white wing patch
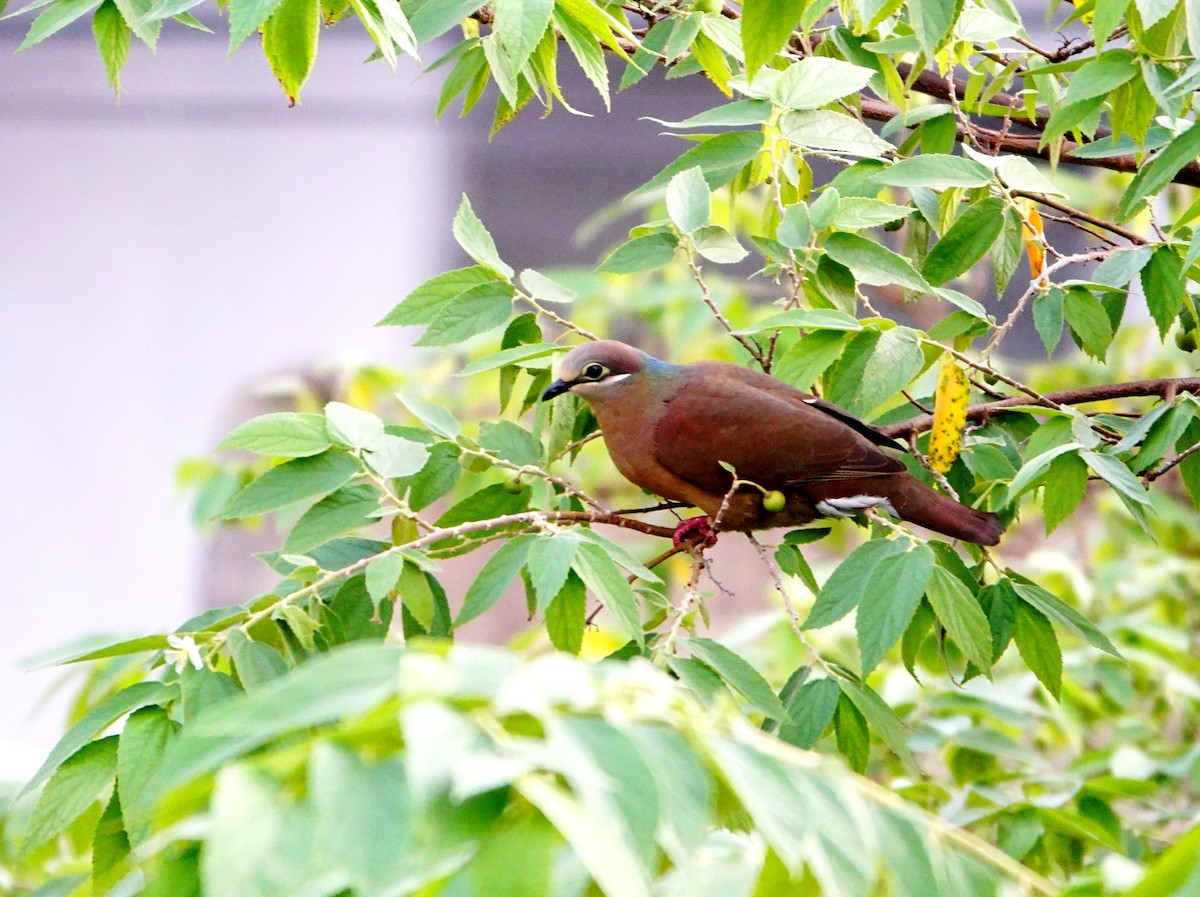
point(848, 507)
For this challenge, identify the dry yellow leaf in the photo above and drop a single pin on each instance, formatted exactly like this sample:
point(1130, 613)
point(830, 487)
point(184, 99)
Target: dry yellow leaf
point(949, 414)
point(1035, 241)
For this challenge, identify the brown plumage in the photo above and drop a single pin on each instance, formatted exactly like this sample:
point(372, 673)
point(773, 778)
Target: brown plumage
point(667, 428)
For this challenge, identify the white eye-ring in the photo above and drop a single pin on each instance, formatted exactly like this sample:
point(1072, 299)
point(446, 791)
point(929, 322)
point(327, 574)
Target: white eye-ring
point(594, 371)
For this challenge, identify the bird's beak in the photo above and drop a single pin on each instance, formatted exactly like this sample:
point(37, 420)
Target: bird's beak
point(557, 388)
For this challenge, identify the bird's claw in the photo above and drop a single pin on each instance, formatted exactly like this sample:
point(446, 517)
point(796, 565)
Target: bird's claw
point(695, 530)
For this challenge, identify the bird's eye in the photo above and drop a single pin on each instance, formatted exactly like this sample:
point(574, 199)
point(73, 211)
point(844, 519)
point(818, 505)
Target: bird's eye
point(594, 371)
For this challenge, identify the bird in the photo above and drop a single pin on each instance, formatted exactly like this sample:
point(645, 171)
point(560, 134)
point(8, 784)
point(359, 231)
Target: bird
point(686, 432)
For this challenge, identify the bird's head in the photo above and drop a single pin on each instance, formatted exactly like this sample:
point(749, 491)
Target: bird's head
point(595, 371)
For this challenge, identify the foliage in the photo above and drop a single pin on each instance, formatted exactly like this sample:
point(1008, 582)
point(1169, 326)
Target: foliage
point(327, 738)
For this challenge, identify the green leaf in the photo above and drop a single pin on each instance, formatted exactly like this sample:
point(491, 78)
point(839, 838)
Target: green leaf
point(475, 240)
point(807, 318)
point(256, 663)
point(1065, 615)
point(353, 427)
point(806, 359)
point(1038, 645)
point(514, 356)
point(340, 512)
point(853, 736)
point(844, 589)
point(394, 456)
point(932, 20)
point(1172, 870)
point(1163, 285)
point(110, 847)
point(857, 212)
point(585, 48)
point(519, 26)
point(815, 81)
point(284, 434)
point(1066, 481)
point(737, 113)
point(872, 263)
point(641, 254)
point(1048, 317)
point(1101, 75)
point(720, 158)
point(98, 719)
point(810, 710)
point(960, 613)
point(834, 132)
point(565, 616)
point(1089, 321)
point(740, 675)
point(435, 418)
point(495, 576)
point(246, 17)
point(1031, 471)
point(510, 441)
point(290, 43)
point(112, 40)
point(546, 288)
point(889, 599)
point(475, 311)
point(965, 242)
point(549, 565)
point(1158, 172)
point(426, 303)
point(604, 578)
point(880, 717)
point(934, 170)
point(873, 369)
point(74, 787)
point(766, 26)
point(140, 750)
point(382, 575)
point(689, 200)
point(718, 245)
point(434, 18)
point(57, 16)
point(491, 501)
point(291, 482)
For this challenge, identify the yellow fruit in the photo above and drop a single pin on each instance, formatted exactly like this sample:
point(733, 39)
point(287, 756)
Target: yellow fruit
point(774, 501)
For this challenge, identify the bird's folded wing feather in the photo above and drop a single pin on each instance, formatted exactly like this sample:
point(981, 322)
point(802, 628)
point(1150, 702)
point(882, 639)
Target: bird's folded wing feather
point(766, 436)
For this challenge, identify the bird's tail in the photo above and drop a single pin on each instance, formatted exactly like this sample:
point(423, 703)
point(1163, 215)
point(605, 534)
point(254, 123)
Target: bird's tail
point(920, 504)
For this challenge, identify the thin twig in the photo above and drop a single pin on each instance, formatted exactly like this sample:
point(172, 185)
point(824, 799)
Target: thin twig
point(747, 344)
point(1174, 462)
point(793, 616)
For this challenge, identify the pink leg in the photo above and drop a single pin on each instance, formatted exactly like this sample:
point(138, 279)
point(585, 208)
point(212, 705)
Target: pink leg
point(699, 526)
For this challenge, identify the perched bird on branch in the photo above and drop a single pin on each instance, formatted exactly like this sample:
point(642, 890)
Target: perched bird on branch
point(678, 430)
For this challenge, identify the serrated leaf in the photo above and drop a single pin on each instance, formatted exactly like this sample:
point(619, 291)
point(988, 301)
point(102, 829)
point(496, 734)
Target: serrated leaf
point(475, 311)
point(246, 17)
point(475, 240)
point(806, 359)
point(550, 560)
point(766, 26)
point(1163, 285)
point(718, 245)
point(1066, 481)
point(880, 717)
point(688, 200)
point(1065, 615)
point(256, 663)
point(73, 788)
point(815, 81)
point(435, 418)
point(510, 441)
point(966, 242)
point(283, 434)
point(143, 742)
point(1038, 645)
point(1048, 317)
point(810, 711)
point(857, 212)
point(57, 16)
point(496, 575)
point(834, 132)
point(720, 158)
point(112, 36)
point(934, 170)
point(424, 304)
point(1089, 321)
point(337, 514)
point(352, 426)
point(586, 50)
point(1033, 468)
point(932, 21)
point(873, 369)
point(641, 254)
point(739, 674)
point(565, 616)
point(960, 613)
point(291, 482)
point(382, 574)
point(606, 581)
point(890, 597)
point(290, 43)
point(845, 587)
point(1152, 176)
point(872, 263)
point(394, 456)
point(546, 288)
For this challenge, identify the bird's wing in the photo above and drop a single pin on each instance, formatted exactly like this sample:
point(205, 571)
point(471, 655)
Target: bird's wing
point(762, 434)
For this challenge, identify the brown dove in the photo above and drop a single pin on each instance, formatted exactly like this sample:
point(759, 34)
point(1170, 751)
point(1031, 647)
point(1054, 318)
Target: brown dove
point(669, 428)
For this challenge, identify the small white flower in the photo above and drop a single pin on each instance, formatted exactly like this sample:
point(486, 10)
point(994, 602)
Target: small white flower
point(183, 651)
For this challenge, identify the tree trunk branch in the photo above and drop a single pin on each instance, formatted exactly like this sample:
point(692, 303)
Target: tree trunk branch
point(1066, 397)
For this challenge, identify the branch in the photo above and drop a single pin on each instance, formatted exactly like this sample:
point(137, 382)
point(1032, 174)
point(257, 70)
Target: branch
point(1066, 397)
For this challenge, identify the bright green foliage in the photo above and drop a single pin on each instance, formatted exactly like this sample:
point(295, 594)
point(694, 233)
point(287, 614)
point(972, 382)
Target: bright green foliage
point(329, 737)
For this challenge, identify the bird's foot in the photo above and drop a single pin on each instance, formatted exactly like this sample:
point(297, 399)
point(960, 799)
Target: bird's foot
point(695, 530)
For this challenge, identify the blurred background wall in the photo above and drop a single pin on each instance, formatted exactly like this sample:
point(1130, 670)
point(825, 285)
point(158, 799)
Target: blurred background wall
point(161, 257)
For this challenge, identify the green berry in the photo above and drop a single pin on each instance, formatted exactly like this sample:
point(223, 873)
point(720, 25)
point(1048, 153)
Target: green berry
point(774, 501)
